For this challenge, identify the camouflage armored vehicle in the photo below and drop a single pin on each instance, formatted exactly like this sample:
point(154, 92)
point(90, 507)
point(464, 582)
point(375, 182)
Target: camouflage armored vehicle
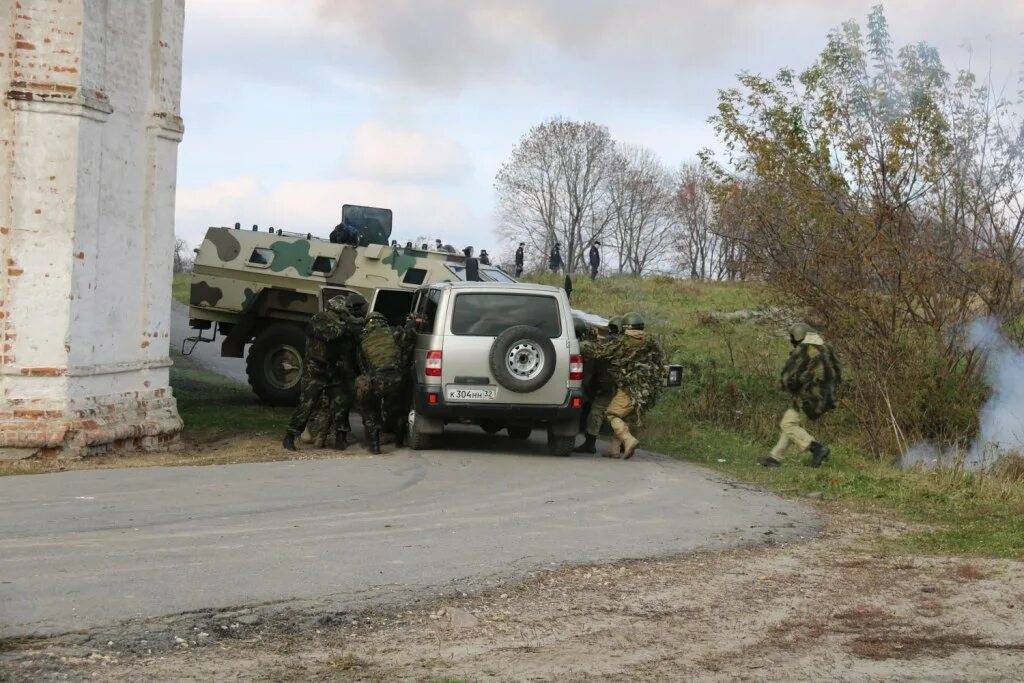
point(259, 288)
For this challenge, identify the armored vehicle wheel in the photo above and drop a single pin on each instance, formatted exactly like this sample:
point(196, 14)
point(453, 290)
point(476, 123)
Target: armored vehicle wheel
point(519, 433)
point(561, 445)
point(522, 359)
point(274, 363)
point(417, 440)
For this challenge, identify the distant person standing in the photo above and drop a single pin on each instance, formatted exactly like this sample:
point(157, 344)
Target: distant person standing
point(485, 260)
point(567, 286)
point(472, 266)
point(595, 259)
point(812, 375)
point(555, 262)
point(519, 259)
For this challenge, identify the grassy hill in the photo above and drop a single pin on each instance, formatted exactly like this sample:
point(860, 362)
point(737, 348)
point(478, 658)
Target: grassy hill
point(732, 343)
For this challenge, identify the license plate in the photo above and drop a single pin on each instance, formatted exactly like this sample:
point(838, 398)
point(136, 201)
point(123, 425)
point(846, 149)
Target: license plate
point(460, 393)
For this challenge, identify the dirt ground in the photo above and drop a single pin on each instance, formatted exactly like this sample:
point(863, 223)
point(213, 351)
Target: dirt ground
point(830, 609)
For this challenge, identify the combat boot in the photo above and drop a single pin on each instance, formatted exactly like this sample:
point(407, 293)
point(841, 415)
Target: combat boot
point(624, 436)
point(375, 442)
point(289, 441)
point(819, 452)
point(340, 440)
point(769, 461)
point(614, 448)
point(588, 446)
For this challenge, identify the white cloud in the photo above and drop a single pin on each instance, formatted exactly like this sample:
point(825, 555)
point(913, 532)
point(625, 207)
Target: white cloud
point(390, 154)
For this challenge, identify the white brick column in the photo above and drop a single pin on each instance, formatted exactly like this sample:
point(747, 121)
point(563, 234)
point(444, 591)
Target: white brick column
point(90, 127)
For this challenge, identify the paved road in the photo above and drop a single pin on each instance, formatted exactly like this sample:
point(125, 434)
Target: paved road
point(91, 548)
point(206, 354)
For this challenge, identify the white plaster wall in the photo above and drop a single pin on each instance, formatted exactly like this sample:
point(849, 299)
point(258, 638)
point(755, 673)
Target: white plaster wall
point(87, 196)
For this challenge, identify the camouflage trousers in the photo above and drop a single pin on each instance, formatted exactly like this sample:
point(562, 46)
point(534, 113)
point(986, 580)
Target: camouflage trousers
point(332, 413)
point(620, 409)
point(595, 416)
point(379, 396)
point(792, 432)
point(316, 384)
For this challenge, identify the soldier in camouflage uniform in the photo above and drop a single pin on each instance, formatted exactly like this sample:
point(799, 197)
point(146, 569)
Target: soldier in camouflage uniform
point(635, 363)
point(324, 339)
point(598, 388)
point(812, 375)
point(380, 383)
point(336, 404)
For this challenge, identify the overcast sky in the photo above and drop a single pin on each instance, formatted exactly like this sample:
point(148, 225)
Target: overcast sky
point(293, 108)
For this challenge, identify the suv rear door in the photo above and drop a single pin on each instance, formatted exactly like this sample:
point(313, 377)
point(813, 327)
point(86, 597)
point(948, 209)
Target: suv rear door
point(475, 318)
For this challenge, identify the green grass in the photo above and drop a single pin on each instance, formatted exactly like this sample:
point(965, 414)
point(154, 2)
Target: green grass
point(213, 406)
point(180, 287)
point(729, 404)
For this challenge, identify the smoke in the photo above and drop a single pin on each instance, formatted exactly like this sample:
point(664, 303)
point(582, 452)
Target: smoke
point(1002, 416)
point(1001, 421)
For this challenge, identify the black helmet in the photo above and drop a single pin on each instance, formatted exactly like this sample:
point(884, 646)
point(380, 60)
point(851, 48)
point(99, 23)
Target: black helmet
point(358, 303)
point(632, 321)
point(615, 325)
point(579, 326)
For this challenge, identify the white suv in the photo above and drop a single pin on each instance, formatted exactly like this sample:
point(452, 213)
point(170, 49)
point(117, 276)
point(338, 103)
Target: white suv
point(502, 356)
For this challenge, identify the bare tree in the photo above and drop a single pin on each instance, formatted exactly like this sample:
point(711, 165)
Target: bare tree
point(698, 245)
point(182, 256)
point(553, 188)
point(640, 193)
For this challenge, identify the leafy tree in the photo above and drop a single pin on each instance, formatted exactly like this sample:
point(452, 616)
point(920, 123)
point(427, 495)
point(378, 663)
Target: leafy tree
point(884, 196)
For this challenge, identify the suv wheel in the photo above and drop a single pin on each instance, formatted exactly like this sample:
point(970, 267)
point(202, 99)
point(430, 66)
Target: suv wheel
point(522, 359)
point(274, 363)
point(417, 440)
point(561, 445)
point(519, 433)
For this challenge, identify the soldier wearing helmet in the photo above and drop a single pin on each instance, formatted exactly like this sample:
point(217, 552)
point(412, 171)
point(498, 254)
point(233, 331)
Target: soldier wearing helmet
point(614, 325)
point(332, 413)
point(812, 375)
point(635, 364)
point(326, 335)
point(380, 384)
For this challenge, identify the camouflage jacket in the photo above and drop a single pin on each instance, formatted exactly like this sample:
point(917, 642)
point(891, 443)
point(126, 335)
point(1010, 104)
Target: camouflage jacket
point(331, 337)
point(812, 374)
point(635, 362)
point(378, 348)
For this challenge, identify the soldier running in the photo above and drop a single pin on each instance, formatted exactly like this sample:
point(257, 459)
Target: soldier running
point(811, 374)
point(635, 362)
point(381, 380)
point(324, 337)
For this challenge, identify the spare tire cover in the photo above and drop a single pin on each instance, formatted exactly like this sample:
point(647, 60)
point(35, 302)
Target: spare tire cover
point(522, 359)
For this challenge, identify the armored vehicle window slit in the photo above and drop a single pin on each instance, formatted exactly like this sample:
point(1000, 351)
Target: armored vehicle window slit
point(324, 265)
point(261, 257)
point(488, 315)
point(414, 276)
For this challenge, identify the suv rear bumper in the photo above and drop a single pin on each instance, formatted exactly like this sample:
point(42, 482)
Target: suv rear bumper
point(510, 412)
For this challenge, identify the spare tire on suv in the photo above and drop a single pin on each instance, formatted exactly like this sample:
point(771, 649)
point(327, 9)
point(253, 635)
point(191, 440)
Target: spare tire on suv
point(522, 359)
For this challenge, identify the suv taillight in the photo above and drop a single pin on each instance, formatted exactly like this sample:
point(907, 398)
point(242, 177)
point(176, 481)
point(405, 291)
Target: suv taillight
point(575, 367)
point(433, 366)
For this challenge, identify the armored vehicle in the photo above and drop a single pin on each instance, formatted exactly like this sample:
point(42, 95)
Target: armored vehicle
point(257, 288)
